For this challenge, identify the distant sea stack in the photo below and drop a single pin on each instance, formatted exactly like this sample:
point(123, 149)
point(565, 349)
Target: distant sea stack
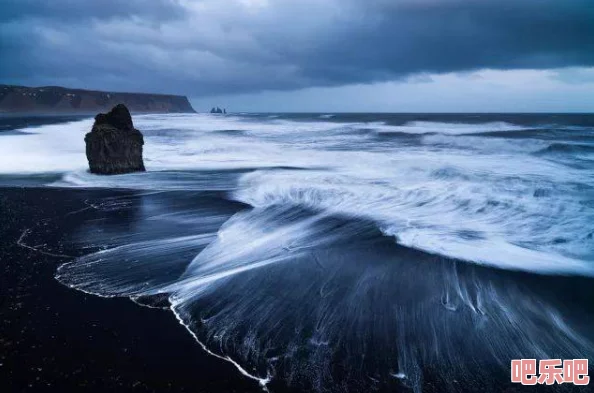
point(50, 100)
point(218, 110)
point(114, 146)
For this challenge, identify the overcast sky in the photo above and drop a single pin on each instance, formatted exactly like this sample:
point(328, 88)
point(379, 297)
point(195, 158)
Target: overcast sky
point(312, 55)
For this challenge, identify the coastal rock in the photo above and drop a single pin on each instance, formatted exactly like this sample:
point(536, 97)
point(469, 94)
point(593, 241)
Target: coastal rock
point(114, 146)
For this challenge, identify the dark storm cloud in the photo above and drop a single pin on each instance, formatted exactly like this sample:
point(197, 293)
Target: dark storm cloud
point(76, 10)
point(213, 47)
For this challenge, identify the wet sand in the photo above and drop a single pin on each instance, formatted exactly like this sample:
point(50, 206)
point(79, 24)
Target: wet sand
point(57, 339)
point(53, 338)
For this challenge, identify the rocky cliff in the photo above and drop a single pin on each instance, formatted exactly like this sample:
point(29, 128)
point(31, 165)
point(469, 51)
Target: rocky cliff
point(48, 100)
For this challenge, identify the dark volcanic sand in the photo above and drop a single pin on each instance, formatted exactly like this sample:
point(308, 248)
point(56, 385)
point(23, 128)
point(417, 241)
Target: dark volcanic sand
point(53, 338)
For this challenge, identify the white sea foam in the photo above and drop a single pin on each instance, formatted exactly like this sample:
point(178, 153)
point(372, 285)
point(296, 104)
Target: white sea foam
point(427, 196)
point(281, 294)
point(424, 210)
point(431, 127)
point(51, 148)
point(489, 145)
point(311, 275)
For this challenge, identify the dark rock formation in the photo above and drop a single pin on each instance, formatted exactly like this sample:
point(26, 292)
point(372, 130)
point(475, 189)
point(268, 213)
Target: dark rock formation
point(217, 110)
point(114, 146)
point(53, 99)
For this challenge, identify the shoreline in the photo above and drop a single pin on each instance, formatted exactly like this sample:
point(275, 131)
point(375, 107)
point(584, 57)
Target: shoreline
point(53, 338)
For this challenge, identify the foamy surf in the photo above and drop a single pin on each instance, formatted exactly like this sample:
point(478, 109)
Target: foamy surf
point(430, 127)
point(310, 250)
point(283, 294)
point(511, 193)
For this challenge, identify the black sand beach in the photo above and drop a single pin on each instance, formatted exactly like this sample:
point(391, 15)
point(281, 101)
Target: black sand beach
point(56, 339)
point(318, 254)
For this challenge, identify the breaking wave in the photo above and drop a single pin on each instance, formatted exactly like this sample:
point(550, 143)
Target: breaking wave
point(430, 127)
point(564, 148)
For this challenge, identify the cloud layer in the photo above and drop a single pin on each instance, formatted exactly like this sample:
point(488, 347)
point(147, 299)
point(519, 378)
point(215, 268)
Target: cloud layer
point(211, 47)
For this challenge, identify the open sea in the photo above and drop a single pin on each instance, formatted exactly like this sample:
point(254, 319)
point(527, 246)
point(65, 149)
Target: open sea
point(339, 252)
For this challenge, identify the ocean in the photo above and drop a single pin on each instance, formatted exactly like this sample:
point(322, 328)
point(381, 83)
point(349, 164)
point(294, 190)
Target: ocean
point(338, 252)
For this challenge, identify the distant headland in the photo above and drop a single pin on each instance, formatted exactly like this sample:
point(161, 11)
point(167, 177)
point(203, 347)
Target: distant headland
point(54, 99)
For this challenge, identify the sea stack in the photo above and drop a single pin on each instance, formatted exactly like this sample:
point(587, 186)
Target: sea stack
point(114, 146)
point(218, 110)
